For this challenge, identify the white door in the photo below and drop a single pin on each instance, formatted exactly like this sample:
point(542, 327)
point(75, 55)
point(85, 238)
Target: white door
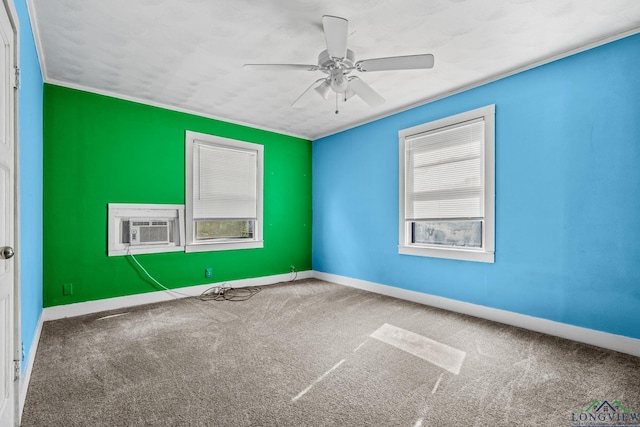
point(7, 223)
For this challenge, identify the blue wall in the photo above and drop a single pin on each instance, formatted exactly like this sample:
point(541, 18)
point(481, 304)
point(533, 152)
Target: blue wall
point(567, 196)
point(30, 134)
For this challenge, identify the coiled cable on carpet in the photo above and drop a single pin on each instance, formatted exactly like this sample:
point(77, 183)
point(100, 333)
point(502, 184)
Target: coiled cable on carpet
point(227, 293)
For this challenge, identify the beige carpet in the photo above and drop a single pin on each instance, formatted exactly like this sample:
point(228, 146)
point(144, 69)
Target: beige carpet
point(312, 353)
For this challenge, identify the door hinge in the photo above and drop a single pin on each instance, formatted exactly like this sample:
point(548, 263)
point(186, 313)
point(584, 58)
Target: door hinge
point(16, 82)
point(16, 370)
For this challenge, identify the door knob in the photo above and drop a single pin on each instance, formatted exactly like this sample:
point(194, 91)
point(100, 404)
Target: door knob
point(6, 252)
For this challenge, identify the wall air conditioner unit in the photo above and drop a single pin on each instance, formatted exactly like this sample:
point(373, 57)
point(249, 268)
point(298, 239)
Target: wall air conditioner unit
point(158, 228)
point(145, 231)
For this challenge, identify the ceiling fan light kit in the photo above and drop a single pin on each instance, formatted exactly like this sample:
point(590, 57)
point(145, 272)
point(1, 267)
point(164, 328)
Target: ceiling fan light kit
point(337, 62)
point(323, 89)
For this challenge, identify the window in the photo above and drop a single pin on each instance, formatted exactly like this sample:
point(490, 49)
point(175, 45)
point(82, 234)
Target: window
point(223, 193)
point(447, 187)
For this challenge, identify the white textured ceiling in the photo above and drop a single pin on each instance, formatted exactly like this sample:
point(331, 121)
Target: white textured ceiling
point(188, 54)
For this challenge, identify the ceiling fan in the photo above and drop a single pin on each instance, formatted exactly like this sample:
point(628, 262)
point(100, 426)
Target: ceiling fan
point(337, 62)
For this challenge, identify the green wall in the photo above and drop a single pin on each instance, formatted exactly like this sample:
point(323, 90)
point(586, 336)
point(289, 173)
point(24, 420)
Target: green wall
point(100, 150)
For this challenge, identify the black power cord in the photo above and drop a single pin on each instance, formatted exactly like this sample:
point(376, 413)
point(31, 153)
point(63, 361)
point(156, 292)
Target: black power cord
point(227, 293)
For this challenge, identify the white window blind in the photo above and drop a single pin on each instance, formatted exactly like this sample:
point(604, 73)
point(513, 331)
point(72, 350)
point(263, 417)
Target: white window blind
point(226, 182)
point(445, 173)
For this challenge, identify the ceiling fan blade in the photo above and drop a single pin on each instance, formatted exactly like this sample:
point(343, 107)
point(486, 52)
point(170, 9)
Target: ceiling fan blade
point(336, 32)
point(366, 92)
point(307, 94)
point(279, 67)
point(410, 62)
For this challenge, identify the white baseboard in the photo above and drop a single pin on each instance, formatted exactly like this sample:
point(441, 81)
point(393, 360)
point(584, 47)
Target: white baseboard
point(26, 377)
point(575, 333)
point(89, 307)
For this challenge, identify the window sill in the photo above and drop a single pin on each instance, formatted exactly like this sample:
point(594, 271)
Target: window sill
point(148, 249)
point(448, 253)
point(223, 246)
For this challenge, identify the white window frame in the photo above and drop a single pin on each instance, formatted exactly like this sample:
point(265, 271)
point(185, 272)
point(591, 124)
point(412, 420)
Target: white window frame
point(193, 245)
point(487, 252)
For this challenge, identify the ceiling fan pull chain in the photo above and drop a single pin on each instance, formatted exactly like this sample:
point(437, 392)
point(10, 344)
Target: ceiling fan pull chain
point(337, 103)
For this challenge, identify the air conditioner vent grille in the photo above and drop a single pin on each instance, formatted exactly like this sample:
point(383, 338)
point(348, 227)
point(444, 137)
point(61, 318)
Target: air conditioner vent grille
point(153, 234)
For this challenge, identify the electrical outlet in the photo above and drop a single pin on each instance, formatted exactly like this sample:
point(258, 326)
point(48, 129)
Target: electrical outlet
point(292, 269)
point(208, 273)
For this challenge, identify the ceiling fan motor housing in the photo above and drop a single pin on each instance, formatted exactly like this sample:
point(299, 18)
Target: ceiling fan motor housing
point(327, 63)
point(336, 68)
